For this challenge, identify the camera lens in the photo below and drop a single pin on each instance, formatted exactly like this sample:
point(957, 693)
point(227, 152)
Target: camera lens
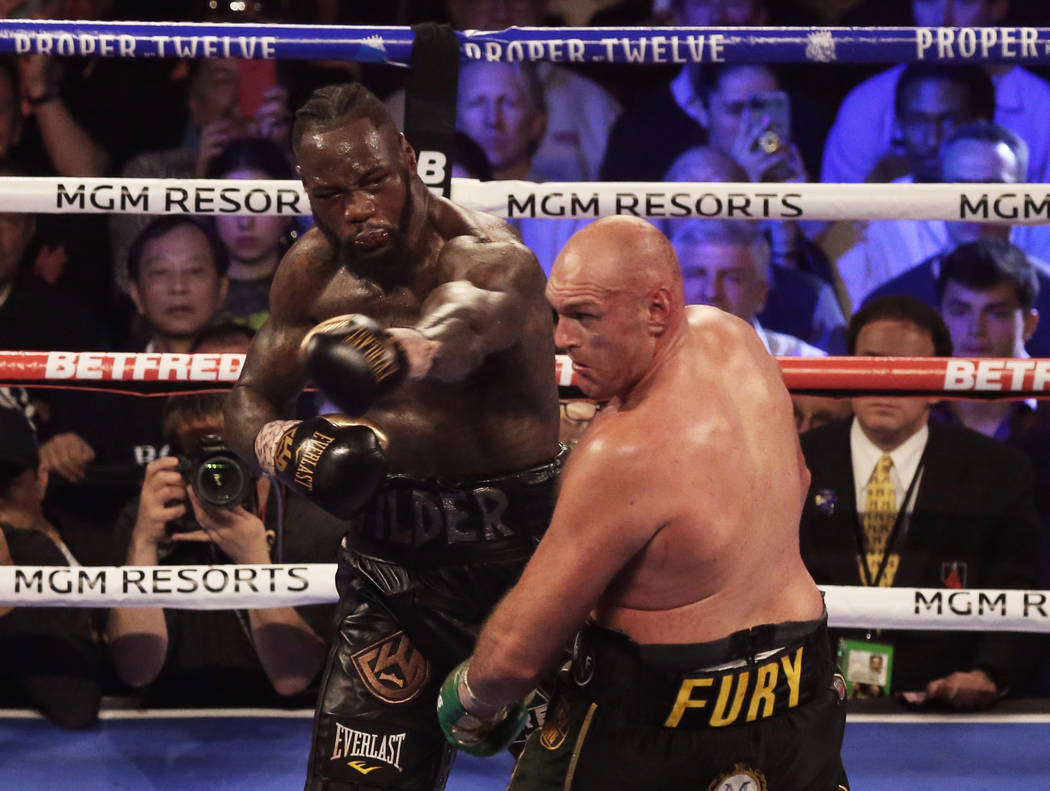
point(220, 481)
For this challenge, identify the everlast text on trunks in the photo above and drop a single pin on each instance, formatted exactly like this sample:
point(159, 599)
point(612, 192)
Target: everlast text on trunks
point(413, 521)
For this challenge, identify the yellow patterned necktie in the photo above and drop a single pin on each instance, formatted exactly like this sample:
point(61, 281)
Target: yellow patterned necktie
point(880, 512)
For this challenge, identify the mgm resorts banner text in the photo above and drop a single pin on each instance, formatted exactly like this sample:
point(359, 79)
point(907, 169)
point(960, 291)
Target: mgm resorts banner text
point(1001, 203)
point(1013, 204)
point(943, 609)
point(186, 587)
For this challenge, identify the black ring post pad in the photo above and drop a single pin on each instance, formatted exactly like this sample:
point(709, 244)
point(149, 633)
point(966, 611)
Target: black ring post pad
point(430, 100)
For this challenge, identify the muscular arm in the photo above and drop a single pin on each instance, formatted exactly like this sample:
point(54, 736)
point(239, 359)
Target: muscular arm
point(482, 309)
point(606, 514)
point(272, 375)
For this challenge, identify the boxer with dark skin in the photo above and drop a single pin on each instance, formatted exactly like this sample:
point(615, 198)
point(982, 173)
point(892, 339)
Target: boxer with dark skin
point(456, 288)
point(448, 474)
point(676, 532)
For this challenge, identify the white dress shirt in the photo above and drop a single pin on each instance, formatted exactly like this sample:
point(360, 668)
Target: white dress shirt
point(888, 248)
point(865, 454)
point(780, 344)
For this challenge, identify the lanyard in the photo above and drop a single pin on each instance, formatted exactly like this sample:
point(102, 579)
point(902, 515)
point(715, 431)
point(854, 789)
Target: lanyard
point(895, 531)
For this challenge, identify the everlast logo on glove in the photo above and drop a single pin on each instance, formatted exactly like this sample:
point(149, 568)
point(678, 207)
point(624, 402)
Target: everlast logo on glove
point(354, 361)
point(376, 353)
point(337, 464)
point(306, 457)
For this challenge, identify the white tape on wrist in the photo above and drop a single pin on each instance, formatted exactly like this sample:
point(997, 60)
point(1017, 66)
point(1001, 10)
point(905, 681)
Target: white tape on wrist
point(474, 705)
point(266, 442)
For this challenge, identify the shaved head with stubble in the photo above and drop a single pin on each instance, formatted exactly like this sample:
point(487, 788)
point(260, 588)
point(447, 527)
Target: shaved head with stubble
point(617, 290)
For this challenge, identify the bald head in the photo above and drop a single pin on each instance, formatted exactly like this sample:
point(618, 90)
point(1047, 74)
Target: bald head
point(704, 163)
point(617, 290)
point(619, 255)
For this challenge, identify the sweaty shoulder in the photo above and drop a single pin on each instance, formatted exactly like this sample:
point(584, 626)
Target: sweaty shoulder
point(730, 344)
point(621, 459)
point(615, 441)
point(719, 326)
point(477, 242)
point(453, 221)
point(303, 271)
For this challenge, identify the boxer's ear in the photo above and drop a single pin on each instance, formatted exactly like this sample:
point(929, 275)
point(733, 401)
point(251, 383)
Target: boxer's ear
point(408, 152)
point(661, 306)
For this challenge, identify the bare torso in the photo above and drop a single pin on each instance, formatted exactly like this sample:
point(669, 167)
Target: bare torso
point(501, 417)
point(717, 440)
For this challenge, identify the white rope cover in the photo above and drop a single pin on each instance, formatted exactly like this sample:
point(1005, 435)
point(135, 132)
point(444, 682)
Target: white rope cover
point(220, 587)
point(282, 585)
point(1017, 204)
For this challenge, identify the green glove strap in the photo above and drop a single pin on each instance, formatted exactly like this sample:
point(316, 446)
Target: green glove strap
point(481, 737)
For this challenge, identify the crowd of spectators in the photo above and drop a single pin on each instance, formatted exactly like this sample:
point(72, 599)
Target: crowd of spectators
point(89, 478)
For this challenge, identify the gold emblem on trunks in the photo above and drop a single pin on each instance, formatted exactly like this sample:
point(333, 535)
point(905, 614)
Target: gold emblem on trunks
point(740, 778)
point(556, 726)
point(392, 669)
point(723, 696)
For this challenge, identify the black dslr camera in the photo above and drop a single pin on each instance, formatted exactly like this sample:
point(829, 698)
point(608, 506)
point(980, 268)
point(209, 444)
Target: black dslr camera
point(219, 479)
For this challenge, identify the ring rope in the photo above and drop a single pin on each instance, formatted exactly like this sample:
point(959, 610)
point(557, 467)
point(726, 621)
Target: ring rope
point(639, 45)
point(233, 586)
point(961, 377)
point(1017, 204)
point(224, 587)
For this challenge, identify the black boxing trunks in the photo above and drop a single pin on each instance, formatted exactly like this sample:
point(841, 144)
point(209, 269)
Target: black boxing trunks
point(419, 571)
point(764, 712)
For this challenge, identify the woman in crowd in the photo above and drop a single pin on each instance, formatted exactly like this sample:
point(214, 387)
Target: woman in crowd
point(255, 243)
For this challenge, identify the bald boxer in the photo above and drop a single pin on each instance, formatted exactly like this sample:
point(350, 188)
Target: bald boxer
point(427, 324)
point(703, 660)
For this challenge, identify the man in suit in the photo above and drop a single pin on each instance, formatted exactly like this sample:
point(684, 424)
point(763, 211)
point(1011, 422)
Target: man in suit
point(896, 499)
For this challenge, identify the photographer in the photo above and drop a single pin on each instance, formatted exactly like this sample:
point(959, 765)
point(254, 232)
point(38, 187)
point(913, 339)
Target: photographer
point(216, 657)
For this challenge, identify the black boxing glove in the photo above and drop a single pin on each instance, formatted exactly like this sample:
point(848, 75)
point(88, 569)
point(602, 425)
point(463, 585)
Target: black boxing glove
point(354, 361)
point(336, 465)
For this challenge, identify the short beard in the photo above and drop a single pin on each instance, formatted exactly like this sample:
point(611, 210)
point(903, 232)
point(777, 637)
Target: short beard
point(389, 267)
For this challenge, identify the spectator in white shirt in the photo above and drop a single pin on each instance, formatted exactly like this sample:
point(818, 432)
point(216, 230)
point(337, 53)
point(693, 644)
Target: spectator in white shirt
point(864, 128)
point(725, 263)
point(979, 152)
